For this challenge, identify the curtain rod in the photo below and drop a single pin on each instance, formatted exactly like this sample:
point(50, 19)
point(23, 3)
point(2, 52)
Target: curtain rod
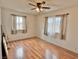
point(63, 14)
point(58, 15)
point(18, 15)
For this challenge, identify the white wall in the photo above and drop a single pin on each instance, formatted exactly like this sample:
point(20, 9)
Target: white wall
point(6, 21)
point(0, 36)
point(71, 36)
point(0, 3)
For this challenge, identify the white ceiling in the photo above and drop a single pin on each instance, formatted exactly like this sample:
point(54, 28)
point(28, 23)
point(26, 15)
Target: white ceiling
point(22, 5)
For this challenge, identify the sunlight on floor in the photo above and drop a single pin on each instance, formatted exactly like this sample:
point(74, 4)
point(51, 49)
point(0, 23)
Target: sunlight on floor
point(19, 53)
point(50, 55)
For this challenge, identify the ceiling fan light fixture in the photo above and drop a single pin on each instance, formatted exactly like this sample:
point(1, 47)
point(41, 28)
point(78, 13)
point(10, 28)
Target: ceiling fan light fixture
point(41, 9)
point(37, 9)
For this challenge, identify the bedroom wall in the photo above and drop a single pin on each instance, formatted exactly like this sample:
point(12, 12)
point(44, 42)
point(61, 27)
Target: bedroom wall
point(71, 37)
point(6, 22)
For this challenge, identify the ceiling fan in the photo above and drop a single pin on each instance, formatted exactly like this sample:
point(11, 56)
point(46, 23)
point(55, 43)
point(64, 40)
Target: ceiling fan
point(39, 6)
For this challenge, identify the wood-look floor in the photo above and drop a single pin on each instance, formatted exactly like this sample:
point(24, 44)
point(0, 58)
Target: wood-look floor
point(37, 49)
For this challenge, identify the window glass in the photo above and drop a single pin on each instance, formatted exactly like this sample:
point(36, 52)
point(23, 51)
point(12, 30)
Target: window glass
point(54, 25)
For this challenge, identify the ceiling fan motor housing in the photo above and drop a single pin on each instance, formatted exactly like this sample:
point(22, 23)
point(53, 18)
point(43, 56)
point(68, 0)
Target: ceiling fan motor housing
point(39, 5)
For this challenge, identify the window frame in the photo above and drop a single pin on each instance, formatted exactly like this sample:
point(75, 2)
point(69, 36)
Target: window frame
point(14, 23)
point(63, 35)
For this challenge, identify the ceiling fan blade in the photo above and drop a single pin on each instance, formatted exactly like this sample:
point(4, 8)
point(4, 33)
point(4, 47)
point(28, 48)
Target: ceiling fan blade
point(32, 4)
point(46, 7)
point(33, 8)
point(43, 2)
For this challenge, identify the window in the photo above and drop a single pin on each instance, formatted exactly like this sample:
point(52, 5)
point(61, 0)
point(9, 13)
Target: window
point(18, 24)
point(55, 26)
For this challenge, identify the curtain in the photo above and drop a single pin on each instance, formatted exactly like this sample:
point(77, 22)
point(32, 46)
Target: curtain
point(46, 26)
point(18, 24)
point(64, 26)
point(60, 28)
point(56, 26)
point(24, 25)
point(13, 31)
